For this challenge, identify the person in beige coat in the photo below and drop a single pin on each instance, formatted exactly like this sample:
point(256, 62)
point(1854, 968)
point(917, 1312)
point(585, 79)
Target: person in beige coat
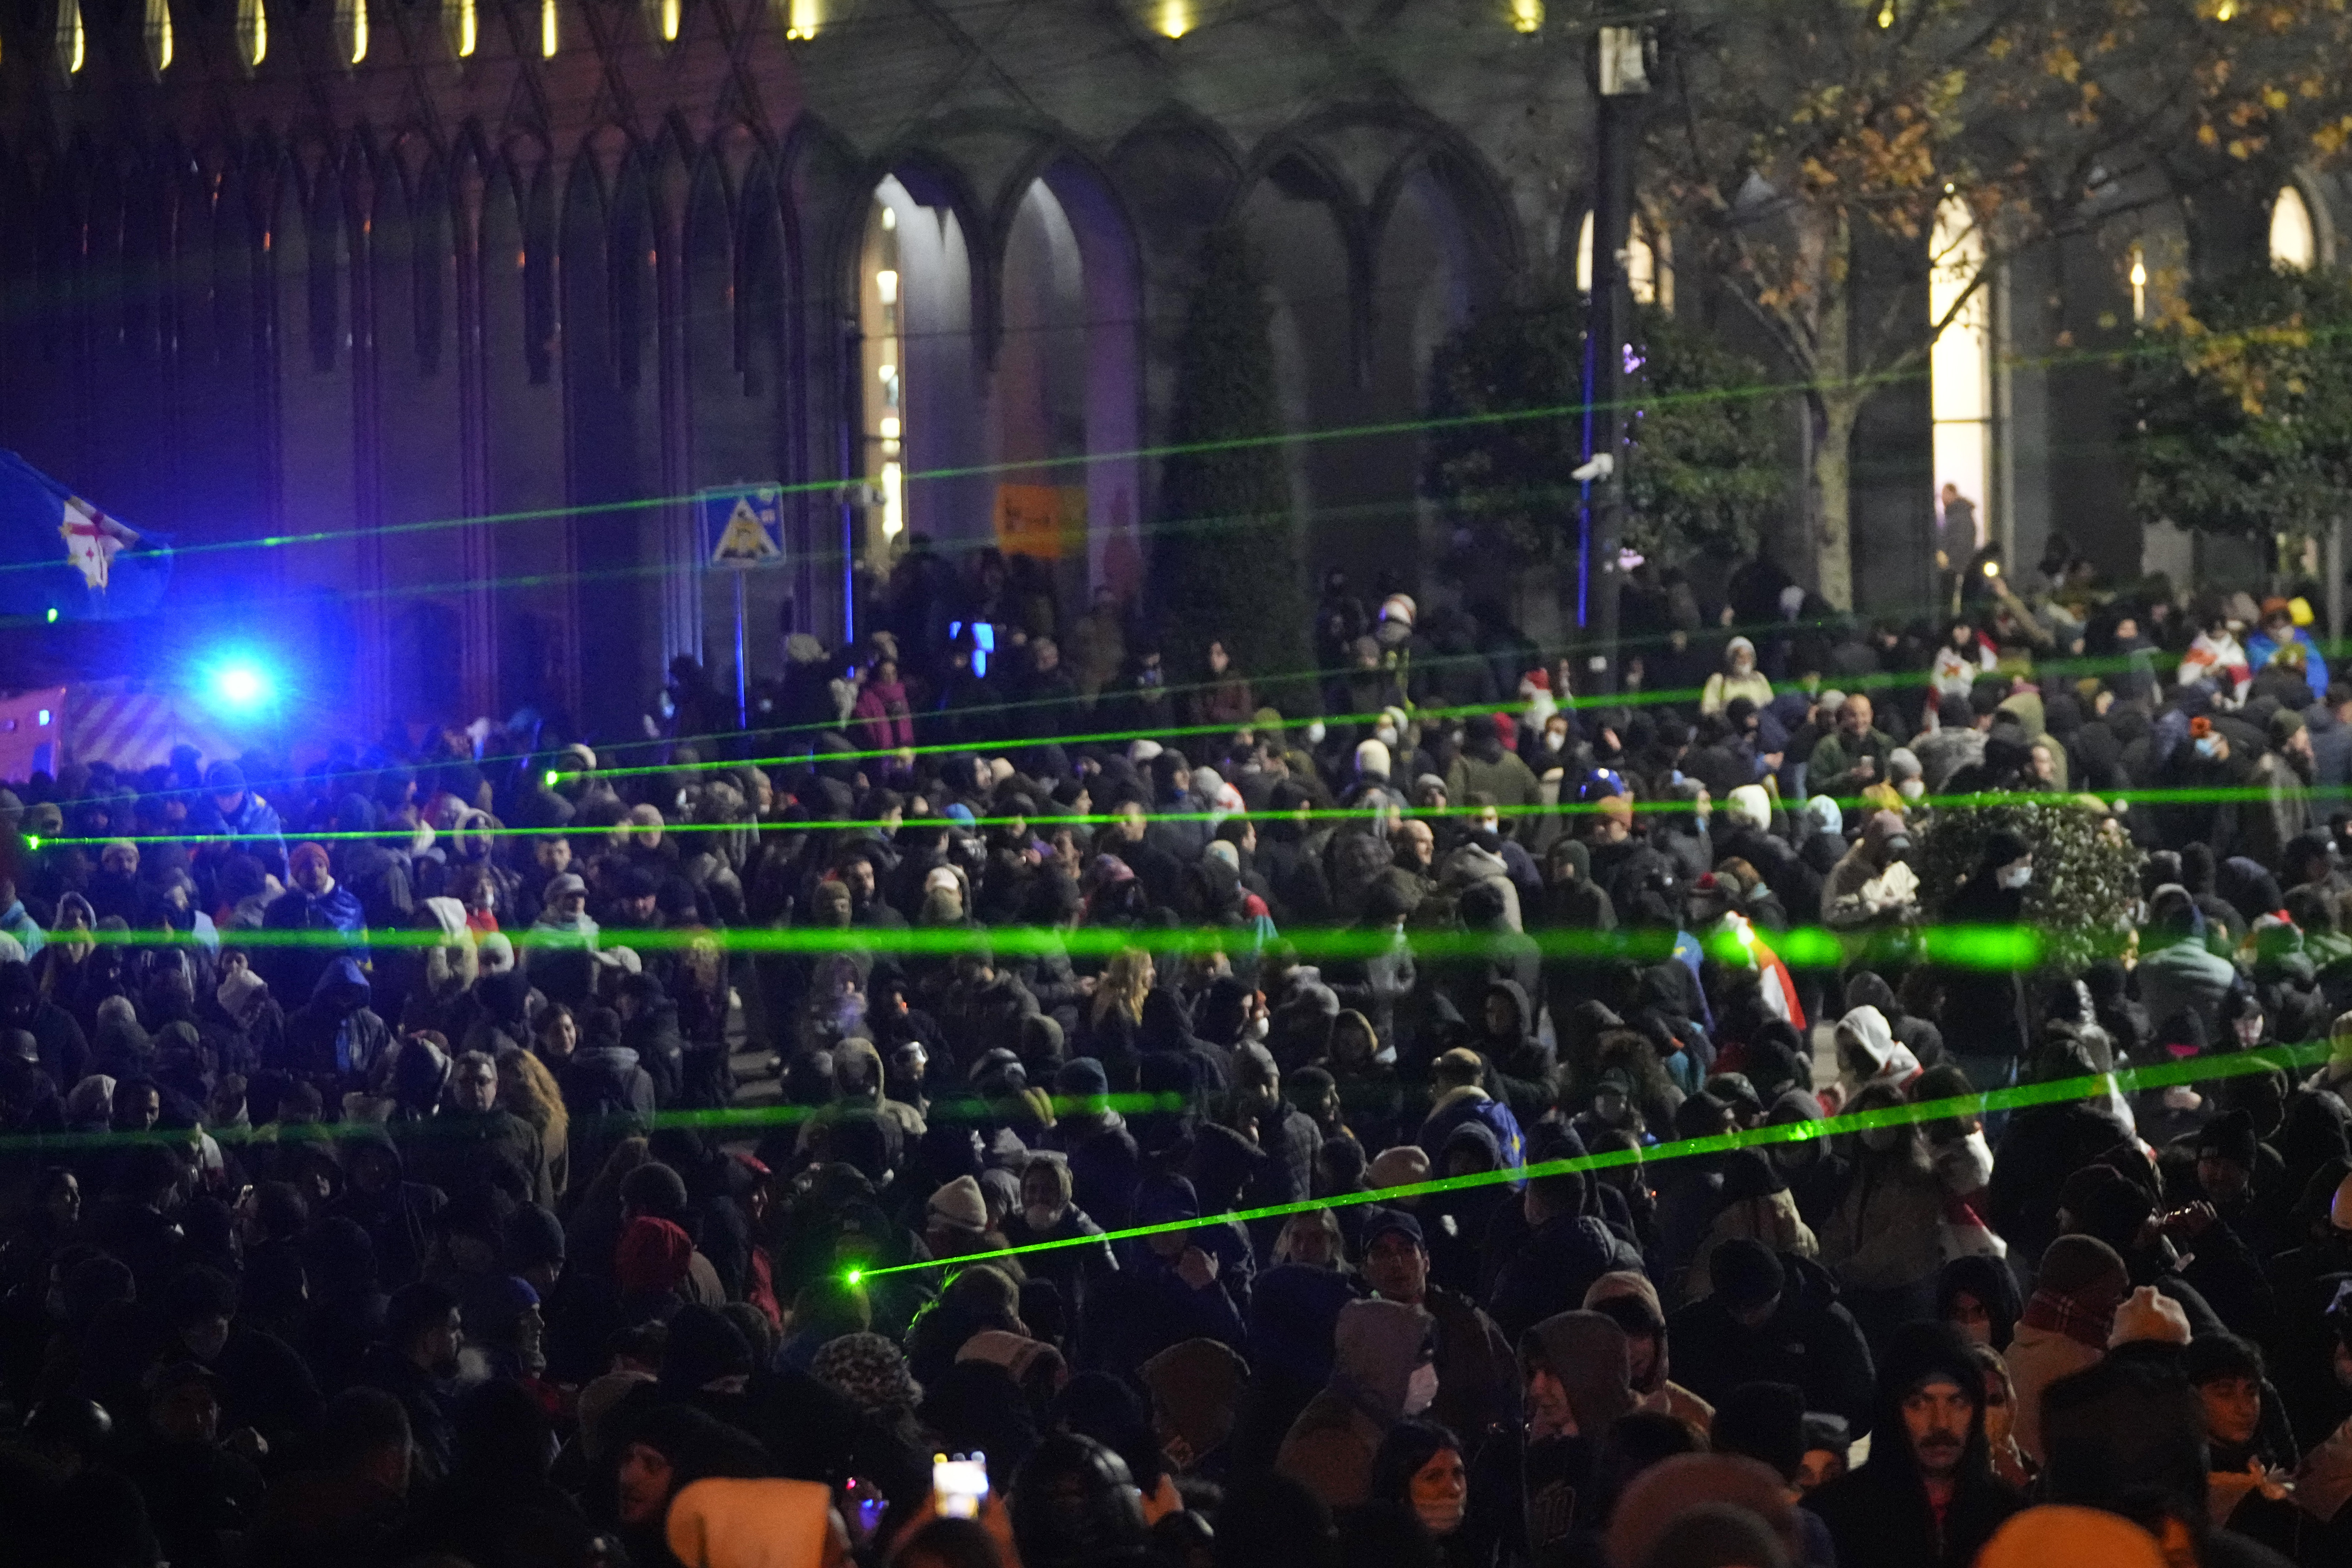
point(2066, 1326)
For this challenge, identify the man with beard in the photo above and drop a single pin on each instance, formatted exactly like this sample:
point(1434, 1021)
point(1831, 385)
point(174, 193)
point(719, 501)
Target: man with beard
point(416, 1364)
point(1928, 1498)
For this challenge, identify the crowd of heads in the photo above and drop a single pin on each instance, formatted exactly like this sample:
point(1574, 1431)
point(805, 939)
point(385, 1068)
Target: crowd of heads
point(1024, 1100)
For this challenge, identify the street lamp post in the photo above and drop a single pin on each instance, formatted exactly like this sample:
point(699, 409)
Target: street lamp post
point(1620, 61)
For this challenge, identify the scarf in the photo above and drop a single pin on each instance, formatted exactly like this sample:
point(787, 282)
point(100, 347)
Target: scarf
point(2064, 1315)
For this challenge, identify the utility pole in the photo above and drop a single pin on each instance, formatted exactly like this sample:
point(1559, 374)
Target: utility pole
point(1621, 79)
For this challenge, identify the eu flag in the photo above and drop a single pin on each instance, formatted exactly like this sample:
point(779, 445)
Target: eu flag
point(63, 558)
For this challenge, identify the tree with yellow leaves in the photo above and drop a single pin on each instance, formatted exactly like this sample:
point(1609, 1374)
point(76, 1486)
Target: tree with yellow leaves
point(1833, 155)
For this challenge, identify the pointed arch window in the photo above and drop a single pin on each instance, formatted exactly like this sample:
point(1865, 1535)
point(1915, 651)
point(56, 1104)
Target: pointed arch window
point(252, 33)
point(2295, 238)
point(464, 23)
point(72, 41)
point(1959, 362)
point(351, 30)
point(158, 31)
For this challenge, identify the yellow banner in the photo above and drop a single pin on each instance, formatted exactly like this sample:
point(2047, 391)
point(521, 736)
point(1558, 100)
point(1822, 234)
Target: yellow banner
point(1045, 521)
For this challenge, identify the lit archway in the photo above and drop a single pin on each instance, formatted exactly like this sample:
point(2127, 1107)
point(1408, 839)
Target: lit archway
point(2295, 238)
point(1959, 363)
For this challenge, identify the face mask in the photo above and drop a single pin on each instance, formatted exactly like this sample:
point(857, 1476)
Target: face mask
point(1911, 789)
point(1421, 1389)
point(1042, 1216)
point(1385, 735)
point(2208, 746)
point(1441, 1519)
point(1259, 1028)
point(1315, 731)
point(1880, 1139)
point(2249, 1030)
point(2014, 877)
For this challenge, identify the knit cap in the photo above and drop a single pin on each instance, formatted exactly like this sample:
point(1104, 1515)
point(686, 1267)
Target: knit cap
point(869, 1372)
point(2149, 1315)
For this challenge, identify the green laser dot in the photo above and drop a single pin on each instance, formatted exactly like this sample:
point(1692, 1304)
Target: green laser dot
point(553, 778)
point(52, 616)
point(855, 1275)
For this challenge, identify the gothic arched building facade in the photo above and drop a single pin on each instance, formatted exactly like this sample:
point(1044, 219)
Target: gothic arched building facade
point(417, 322)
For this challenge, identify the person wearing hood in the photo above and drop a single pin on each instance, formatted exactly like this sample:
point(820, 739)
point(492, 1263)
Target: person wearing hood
point(327, 911)
point(1522, 1064)
point(1171, 1285)
point(1048, 1214)
point(1738, 677)
point(1984, 1014)
point(606, 1090)
point(2176, 972)
point(1477, 1381)
point(1927, 1496)
point(1774, 1320)
point(1579, 1381)
point(335, 1038)
point(1868, 1053)
point(1871, 886)
point(1383, 1371)
point(1883, 1241)
point(1485, 767)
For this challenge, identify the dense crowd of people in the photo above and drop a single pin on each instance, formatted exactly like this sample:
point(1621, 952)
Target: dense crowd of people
point(486, 1148)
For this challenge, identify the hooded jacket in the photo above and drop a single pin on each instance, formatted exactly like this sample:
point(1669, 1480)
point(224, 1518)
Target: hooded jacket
point(1329, 1449)
point(335, 1036)
point(1873, 1039)
point(1879, 1515)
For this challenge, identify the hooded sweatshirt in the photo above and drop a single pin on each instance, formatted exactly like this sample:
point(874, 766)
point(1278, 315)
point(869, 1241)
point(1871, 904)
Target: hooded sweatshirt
point(1866, 1032)
point(1329, 1449)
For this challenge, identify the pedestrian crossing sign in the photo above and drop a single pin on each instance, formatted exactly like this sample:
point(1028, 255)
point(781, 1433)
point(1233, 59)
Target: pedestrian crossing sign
point(743, 525)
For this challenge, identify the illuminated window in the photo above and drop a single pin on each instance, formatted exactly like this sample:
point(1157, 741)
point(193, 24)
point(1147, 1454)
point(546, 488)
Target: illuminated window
point(465, 28)
point(1959, 365)
point(1649, 264)
point(1526, 16)
point(352, 29)
point(72, 43)
point(2138, 279)
point(252, 32)
point(2295, 242)
point(880, 313)
point(159, 35)
point(547, 29)
point(803, 17)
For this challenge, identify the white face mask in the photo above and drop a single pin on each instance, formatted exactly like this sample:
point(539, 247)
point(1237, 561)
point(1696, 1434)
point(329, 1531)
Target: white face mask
point(1259, 1028)
point(1315, 731)
point(1421, 1389)
point(1385, 735)
point(1042, 1216)
point(2014, 877)
point(1441, 1519)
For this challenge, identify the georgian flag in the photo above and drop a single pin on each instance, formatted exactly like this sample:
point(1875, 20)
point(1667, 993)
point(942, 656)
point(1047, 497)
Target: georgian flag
point(63, 558)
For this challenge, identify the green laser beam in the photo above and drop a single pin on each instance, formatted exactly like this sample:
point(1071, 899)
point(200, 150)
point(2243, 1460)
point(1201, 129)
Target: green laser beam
point(1993, 947)
point(2127, 1080)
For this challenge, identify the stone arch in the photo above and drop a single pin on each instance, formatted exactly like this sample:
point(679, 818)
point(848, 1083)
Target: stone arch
point(919, 214)
point(1068, 380)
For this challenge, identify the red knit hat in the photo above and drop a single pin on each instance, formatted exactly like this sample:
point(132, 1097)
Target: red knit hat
point(652, 1257)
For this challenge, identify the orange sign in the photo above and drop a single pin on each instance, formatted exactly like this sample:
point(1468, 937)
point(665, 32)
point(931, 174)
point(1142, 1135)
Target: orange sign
point(1045, 521)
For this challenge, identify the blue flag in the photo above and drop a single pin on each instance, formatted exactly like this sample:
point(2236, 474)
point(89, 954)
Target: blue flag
point(62, 559)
